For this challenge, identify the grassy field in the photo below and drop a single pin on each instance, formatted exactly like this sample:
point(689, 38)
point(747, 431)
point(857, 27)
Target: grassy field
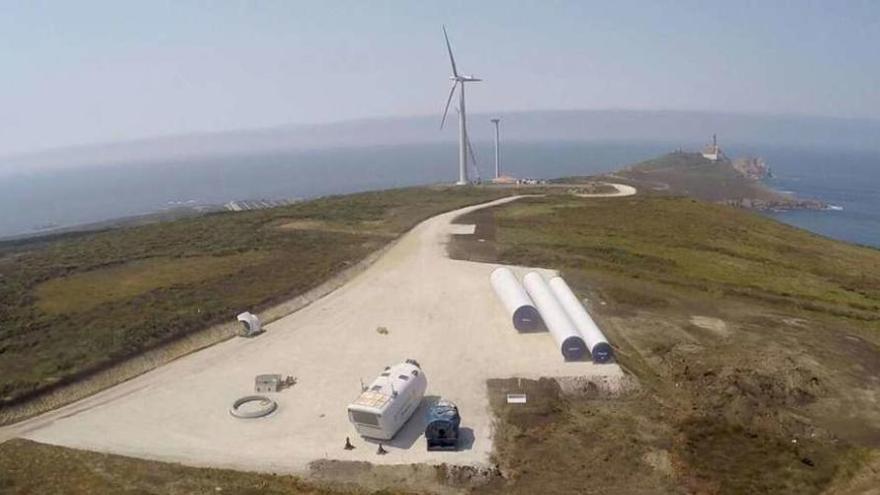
point(690, 244)
point(87, 290)
point(757, 346)
point(81, 302)
point(636, 444)
point(32, 468)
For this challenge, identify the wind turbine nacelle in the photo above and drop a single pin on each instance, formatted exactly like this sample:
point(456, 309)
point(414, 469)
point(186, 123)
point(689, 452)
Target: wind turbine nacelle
point(464, 79)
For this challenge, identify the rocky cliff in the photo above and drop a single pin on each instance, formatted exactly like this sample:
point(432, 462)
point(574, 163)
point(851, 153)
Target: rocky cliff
point(732, 182)
point(754, 168)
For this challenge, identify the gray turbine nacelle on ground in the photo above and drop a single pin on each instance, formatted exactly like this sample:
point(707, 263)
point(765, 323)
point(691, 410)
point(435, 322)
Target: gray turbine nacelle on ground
point(250, 324)
point(464, 144)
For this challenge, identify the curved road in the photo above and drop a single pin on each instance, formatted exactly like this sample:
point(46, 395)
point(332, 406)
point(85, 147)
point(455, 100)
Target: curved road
point(439, 311)
point(622, 190)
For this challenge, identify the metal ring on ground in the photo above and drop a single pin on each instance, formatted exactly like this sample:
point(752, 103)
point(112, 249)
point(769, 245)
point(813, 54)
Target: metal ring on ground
point(268, 407)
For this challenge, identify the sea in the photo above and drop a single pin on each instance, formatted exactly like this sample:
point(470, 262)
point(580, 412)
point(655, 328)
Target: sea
point(34, 202)
point(848, 181)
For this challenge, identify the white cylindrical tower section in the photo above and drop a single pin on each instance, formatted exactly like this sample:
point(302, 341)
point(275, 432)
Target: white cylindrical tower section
point(563, 330)
point(515, 300)
point(462, 138)
point(496, 121)
point(598, 345)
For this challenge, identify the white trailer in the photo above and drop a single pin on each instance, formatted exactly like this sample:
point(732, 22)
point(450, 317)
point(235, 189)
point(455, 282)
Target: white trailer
point(557, 321)
point(596, 342)
point(516, 301)
point(385, 406)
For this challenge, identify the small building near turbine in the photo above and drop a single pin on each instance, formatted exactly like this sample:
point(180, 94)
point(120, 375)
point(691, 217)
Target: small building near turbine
point(505, 179)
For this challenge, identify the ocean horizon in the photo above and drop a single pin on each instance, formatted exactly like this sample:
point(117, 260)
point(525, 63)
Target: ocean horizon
point(49, 199)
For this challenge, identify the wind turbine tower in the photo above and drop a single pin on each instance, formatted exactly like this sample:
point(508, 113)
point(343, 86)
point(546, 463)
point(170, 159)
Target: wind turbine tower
point(464, 144)
point(495, 121)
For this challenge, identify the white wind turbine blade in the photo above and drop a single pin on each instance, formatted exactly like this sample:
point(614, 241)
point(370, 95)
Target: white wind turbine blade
point(449, 49)
point(448, 101)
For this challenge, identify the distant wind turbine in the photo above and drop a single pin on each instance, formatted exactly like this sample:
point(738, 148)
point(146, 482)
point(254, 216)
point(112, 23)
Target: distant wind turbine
point(464, 145)
point(495, 121)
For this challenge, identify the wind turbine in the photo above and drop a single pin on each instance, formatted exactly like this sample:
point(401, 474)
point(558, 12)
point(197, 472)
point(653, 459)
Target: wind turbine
point(495, 121)
point(464, 147)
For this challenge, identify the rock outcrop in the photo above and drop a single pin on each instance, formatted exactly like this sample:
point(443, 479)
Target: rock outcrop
point(753, 168)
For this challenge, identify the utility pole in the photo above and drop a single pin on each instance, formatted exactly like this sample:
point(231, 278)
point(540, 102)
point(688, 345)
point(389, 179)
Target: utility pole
point(497, 149)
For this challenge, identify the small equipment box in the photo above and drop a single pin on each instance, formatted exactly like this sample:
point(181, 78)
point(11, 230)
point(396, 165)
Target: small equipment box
point(442, 427)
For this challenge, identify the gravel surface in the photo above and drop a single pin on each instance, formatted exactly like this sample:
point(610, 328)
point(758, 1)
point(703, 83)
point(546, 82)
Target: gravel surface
point(439, 311)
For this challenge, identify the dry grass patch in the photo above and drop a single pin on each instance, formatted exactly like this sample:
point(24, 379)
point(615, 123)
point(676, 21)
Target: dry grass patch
point(757, 346)
point(32, 468)
point(370, 227)
point(84, 291)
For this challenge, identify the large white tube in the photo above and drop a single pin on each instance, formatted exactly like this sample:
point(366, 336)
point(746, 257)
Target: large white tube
point(515, 300)
point(563, 330)
point(600, 350)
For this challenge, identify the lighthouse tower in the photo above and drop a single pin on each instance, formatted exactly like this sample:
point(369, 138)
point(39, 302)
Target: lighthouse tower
point(713, 152)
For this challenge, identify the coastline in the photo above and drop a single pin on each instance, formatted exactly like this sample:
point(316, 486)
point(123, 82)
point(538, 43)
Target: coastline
point(767, 197)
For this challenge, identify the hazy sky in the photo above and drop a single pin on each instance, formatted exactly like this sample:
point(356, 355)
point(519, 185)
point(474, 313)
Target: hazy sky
point(88, 71)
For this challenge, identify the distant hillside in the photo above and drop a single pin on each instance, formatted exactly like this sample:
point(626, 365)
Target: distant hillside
point(52, 233)
point(677, 128)
point(691, 174)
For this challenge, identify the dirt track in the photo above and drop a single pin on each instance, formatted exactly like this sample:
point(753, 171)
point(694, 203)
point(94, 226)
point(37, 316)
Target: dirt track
point(622, 191)
point(439, 311)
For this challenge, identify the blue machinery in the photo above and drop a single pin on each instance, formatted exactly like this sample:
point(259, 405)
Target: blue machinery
point(442, 427)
